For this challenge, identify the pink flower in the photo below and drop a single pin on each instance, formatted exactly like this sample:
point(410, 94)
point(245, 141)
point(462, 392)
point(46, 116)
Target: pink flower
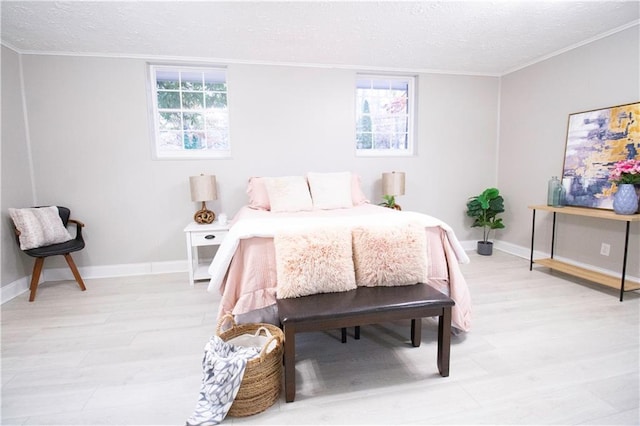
point(626, 171)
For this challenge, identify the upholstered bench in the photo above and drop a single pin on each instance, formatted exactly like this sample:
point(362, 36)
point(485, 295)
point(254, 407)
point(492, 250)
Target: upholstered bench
point(365, 305)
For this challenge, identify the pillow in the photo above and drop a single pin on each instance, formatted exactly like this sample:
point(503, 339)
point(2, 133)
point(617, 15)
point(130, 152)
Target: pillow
point(288, 194)
point(39, 227)
point(258, 196)
point(313, 261)
point(357, 196)
point(390, 255)
point(330, 190)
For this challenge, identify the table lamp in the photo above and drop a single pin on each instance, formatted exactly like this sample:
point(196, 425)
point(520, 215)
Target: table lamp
point(203, 188)
point(392, 185)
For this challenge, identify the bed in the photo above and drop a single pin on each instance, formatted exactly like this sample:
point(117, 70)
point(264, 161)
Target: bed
point(247, 264)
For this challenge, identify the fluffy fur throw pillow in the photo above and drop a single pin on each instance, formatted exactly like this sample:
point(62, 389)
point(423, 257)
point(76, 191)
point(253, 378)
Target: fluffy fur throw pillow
point(390, 255)
point(314, 261)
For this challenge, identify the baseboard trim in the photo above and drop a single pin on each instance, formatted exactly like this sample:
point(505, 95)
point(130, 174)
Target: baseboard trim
point(122, 270)
point(16, 288)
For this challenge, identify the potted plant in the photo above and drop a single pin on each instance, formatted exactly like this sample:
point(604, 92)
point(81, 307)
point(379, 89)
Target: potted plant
point(390, 202)
point(484, 209)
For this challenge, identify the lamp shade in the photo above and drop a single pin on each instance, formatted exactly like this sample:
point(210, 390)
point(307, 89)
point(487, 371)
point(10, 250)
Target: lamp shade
point(203, 188)
point(393, 183)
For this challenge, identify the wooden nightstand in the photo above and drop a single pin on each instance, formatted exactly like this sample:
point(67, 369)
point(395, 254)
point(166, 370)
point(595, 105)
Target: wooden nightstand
point(202, 235)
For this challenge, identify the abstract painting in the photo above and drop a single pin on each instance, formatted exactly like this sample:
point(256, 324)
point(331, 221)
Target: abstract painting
point(595, 141)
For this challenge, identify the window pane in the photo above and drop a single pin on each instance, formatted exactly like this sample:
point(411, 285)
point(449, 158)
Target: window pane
point(217, 119)
point(192, 100)
point(215, 80)
point(169, 121)
point(191, 81)
point(216, 100)
point(171, 140)
point(399, 124)
point(193, 140)
point(193, 121)
point(168, 100)
point(363, 83)
point(400, 85)
point(398, 141)
point(167, 80)
point(213, 86)
point(381, 84)
point(397, 104)
point(381, 141)
point(364, 141)
point(217, 138)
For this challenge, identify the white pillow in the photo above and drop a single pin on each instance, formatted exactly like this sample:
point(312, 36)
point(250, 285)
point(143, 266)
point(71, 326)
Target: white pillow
point(288, 194)
point(330, 190)
point(39, 227)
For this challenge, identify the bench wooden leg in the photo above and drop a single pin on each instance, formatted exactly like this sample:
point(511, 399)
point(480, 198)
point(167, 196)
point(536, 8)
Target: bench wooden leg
point(444, 341)
point(416, 332)
point(289, 363)
point(356, 333)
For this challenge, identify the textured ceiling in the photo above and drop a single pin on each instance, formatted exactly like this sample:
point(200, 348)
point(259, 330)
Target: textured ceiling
point(476, 37)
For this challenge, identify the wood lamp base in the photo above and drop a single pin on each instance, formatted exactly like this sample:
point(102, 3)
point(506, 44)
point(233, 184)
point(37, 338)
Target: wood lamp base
point(204, 216)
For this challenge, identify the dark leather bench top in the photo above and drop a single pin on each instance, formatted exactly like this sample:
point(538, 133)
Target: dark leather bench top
point(360, 301)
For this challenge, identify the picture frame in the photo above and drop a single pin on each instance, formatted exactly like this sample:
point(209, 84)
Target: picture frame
point(596, 140)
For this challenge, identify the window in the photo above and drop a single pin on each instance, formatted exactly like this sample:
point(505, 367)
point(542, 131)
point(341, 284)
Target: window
point(384, 115)
point(190, 112)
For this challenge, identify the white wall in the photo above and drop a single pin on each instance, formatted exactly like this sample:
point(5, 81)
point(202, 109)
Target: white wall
point(89, 131)
point(16, 176)
point(535, 104)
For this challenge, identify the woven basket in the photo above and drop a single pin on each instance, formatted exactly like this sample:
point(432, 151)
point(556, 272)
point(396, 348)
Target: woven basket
point(260, 386)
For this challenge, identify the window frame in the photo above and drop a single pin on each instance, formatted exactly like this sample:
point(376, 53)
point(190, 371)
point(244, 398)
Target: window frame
point(154, 113)
point(411, 81)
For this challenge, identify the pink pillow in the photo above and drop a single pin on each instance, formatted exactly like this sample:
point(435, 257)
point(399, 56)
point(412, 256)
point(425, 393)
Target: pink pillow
point(390, 255)
point(258, 195)
point(311, 261)
point(356, 191)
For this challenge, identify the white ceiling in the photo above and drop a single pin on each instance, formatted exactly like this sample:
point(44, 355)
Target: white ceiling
point(474, 37)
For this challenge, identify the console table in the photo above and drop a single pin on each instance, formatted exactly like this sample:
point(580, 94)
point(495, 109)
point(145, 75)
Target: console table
point(587, 274)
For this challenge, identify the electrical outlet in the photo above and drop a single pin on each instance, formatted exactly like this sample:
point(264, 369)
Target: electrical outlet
point(604, 249)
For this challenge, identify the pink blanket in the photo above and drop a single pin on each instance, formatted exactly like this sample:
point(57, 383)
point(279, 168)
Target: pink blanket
point(245, 271)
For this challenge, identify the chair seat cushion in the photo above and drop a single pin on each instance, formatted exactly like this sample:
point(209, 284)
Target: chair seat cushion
point(56, 249)
point(39, 227)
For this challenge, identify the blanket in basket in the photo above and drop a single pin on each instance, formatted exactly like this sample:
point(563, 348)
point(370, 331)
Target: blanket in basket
point(223, 367)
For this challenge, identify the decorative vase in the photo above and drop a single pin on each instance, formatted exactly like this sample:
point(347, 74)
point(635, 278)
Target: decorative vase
point(625, 200)
point(485, 248)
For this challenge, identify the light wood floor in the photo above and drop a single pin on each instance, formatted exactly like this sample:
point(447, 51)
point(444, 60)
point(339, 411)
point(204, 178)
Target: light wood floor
point(544, 349)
